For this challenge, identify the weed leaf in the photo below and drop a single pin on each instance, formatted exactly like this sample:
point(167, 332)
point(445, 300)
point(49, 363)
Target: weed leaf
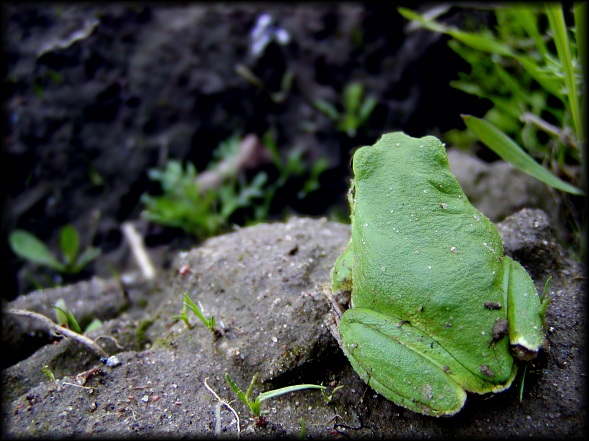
point(28, 246)
point(509, 151)
point(69, 242)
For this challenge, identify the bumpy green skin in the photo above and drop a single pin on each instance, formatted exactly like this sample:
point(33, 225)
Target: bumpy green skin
point(427, 274)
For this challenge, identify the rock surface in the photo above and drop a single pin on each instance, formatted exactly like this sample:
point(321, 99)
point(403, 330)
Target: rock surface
point(498, 189)
point(263, 286)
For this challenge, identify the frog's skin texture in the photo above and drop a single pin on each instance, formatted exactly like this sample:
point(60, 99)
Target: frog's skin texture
point(437, 309)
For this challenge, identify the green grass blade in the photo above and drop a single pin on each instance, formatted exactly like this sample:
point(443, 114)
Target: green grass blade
point(509, 151)
point(561, 41)
point(484, 43)
point(237, 391)
point(209, 323)
point(488, 44)
point(521, 385)
point(366, 109)
point(580, 13)
point(352, 96)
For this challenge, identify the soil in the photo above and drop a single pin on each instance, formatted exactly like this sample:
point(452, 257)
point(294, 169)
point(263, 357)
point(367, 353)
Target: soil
point(97, 94)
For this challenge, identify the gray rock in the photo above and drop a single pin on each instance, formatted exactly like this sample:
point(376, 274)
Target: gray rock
point(263, 286)
point(498, 189)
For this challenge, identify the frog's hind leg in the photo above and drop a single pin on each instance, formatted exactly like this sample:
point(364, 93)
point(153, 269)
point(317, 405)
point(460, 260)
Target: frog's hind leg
point(396, 360)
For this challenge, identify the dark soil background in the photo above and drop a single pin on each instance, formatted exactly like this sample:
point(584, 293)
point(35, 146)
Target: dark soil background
point(147, 83)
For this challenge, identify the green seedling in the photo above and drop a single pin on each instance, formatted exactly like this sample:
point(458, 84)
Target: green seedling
point(205, 212)
point(66, 318)
point(182, 203)
point(29, 247)
point(189, 304)
point(202, 212)
point(303, 432)
point(329, 397)
point(48, 372)
point(59, 329)
point(356, 109)
point(255, 405)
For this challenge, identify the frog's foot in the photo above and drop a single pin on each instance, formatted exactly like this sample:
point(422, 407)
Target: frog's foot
point(383, 353)
point(333, 317)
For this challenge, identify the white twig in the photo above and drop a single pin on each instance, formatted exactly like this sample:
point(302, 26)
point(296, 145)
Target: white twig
point(226, 405)
point(250, 155)
point(135, 241)
point(88, 342)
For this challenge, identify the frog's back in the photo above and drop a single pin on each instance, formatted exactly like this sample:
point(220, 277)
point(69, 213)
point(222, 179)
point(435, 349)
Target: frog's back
point(424, 254)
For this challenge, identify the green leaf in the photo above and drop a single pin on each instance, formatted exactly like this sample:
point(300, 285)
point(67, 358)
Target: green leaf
point(69, 243)
point(94, 324)
point(66, 317)
point(509, 151)
point(29, 247)
point(352, 96)
point(61, 316)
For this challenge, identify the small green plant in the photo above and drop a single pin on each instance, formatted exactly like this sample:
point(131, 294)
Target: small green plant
point(355, 111)
point(329, 397)
point(48, 372)
point(66, 318)
point(29, 247)
point(60, 329)
point(204, 212)
point(255, 405)
point(303, 432)
point(189, 304)
point(529, 67)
